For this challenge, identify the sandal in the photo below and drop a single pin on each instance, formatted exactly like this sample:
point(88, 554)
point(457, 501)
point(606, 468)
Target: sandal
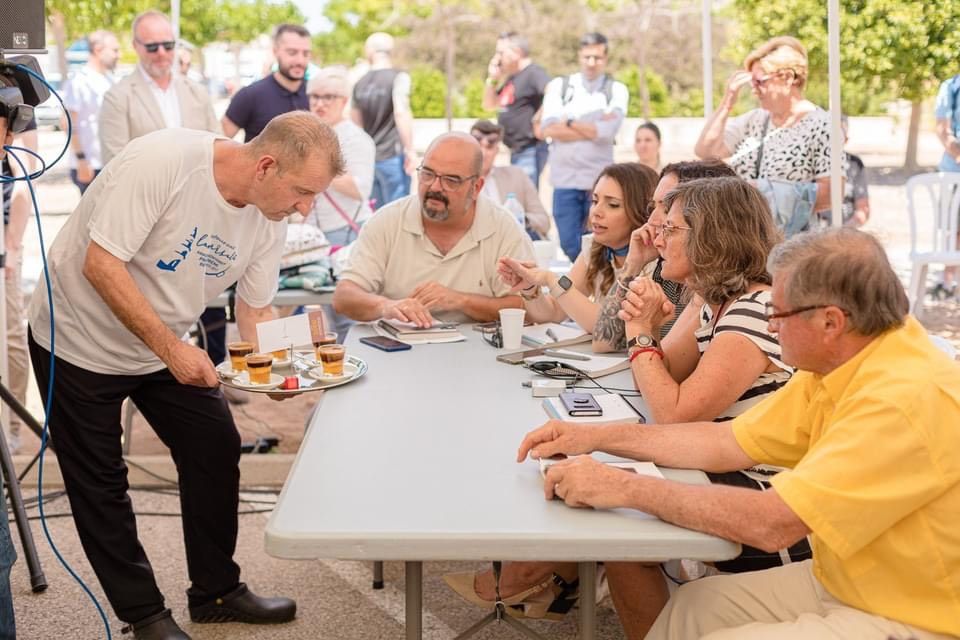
point(551, 599)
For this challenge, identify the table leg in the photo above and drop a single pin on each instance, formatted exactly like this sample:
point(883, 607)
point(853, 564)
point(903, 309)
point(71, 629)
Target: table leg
point(588, 600)
point(414, 617)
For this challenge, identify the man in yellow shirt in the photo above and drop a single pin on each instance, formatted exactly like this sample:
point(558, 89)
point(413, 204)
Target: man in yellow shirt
point(869, 428)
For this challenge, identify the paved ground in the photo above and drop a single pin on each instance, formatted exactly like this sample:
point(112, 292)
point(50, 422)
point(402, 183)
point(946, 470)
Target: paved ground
point(335, 598)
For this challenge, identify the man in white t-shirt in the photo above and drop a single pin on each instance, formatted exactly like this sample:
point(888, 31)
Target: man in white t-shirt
point(83, 97)
point(176, 218)
point(435, 253)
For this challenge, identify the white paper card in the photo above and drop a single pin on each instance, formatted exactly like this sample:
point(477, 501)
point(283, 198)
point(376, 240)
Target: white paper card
point(274, 335)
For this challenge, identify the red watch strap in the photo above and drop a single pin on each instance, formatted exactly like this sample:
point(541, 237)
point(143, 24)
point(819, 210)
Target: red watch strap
point(656, 350)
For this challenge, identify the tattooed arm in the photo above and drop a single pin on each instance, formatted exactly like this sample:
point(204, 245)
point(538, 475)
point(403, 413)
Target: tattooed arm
point(608, 331)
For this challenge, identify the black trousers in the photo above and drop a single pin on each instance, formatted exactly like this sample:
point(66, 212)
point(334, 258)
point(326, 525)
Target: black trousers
point(196, 425)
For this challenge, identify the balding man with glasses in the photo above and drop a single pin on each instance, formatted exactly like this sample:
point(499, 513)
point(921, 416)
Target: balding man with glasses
point(434, 255)
point(152, 97)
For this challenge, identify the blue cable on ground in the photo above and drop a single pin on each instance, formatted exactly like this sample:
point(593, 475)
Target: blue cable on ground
point(49, 398)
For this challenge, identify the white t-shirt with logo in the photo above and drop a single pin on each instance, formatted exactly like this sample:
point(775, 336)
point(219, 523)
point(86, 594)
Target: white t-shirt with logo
point(157, 208)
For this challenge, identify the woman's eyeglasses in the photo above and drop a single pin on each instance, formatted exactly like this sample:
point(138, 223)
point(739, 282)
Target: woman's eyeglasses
point(448, 182)
point(667, 229)
point(153, 47)
point(326, 97)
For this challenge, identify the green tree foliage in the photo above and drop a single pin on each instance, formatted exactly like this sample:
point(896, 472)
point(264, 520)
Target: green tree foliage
point(661, 103)
point(354, 20)
point(427, 99)
point(201, 21)
point(889, 48)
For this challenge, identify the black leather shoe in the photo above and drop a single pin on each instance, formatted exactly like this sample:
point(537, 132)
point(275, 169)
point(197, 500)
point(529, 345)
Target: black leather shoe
point(242, 605)
point(159, 626)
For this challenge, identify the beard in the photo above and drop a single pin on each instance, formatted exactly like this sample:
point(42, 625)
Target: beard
point(433, 214)
point(285, 71)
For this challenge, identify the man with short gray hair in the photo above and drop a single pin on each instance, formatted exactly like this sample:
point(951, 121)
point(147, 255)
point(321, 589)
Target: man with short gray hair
point(868, 430)
point(178, 217)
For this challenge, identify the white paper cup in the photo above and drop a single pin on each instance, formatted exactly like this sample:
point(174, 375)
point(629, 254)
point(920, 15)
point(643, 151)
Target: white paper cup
point(545, 251)
point(511, 326)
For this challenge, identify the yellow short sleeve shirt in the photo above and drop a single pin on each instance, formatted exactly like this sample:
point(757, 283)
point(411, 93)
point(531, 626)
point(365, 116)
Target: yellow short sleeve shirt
point(874, 452)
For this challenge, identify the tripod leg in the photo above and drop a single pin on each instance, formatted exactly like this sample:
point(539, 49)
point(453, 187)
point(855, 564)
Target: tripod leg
point(37, 580)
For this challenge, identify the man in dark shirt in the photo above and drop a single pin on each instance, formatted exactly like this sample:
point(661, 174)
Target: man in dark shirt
point(515, 88)
point(283, 90)
point(381, 105)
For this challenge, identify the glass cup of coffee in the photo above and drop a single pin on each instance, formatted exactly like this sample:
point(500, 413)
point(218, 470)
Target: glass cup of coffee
point(328, 338)
point(259, 367)
point(238, 351)
point(332, 357)
point(280, 354)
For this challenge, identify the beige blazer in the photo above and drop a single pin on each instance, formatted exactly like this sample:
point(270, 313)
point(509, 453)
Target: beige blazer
point(129, 111)
point(510, 179)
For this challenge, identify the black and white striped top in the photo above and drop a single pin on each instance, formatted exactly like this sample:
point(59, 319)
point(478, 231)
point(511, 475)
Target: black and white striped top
point(746, 316)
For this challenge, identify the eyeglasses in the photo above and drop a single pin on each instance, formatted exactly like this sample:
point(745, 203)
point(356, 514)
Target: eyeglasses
point(153, 47)
point(326, 97)
point(667, 229)
point(759, 82)
point(593, 58)
point(488, 140)
point(772, 314)
point(448, 182)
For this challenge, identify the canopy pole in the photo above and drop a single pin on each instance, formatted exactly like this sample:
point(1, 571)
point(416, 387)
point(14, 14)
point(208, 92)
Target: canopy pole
point(836, 133)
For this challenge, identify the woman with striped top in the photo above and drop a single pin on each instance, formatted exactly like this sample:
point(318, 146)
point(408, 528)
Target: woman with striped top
point(719, 357)
point(718, 360)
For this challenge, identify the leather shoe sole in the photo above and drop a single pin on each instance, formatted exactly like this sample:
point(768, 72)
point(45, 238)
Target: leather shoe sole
point(242, 605)
point(160, 626)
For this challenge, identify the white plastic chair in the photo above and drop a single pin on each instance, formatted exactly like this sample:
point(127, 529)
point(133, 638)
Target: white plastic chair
point(943, 191)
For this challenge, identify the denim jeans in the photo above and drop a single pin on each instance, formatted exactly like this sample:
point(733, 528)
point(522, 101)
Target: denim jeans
point(390, 181)
point(8, 627)
point(532, 160)
point(570, 210)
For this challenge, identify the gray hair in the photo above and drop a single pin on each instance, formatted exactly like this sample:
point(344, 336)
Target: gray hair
point(846, 268)
point(296, 136)
point(516, 41)
point(151, 13)
point(333, 74)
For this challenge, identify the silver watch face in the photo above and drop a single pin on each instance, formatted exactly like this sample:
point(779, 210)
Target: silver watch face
point(643, 340)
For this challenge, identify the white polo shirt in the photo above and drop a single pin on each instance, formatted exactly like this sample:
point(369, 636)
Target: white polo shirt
point(393, 255)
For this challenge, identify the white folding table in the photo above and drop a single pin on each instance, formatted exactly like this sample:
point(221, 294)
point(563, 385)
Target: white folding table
point(415, 462)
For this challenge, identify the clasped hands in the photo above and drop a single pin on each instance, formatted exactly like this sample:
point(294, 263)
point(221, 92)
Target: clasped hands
point(645, 308)
point(582, 481)
point(427, 297)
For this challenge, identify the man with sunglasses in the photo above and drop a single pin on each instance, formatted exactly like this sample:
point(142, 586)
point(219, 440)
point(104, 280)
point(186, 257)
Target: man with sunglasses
point(868, 429)
point(581, 115)
point(435, 254)
point(279, 92)
point(152, 97)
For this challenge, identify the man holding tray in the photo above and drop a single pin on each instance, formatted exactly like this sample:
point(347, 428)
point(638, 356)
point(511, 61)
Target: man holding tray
point(176, 218)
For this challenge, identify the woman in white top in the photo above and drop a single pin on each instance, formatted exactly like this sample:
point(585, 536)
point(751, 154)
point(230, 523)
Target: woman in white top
point(591, 293)
point(343, 208)
point(788, 137)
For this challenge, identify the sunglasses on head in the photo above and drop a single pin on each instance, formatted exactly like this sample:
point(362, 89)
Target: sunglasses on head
point(487, 139)
point(153, 47)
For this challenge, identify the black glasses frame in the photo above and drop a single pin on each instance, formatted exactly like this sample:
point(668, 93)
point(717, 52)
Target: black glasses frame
point(447, 182)
point(771, 314)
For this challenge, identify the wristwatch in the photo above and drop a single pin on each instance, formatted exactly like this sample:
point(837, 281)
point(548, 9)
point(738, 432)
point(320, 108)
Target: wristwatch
point(563, 285)
point(80, 155)
point(569, 122)
point(643, 341)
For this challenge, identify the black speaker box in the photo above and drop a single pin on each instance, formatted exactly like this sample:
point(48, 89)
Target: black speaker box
point(22, 28)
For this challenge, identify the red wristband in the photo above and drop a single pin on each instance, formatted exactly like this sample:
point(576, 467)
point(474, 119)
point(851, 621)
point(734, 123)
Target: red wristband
point(656, 350)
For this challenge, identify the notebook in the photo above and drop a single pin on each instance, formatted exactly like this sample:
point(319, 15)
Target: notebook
point(615, 408)
point(410, 333)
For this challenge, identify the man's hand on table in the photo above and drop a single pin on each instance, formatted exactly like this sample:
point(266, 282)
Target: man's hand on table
point(584, 482)
point(407, 310)
point(191, 365)
point(558, 437)
point(436, 297)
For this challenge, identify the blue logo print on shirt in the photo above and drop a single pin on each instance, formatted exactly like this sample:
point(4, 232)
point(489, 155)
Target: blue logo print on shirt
point(214, 254)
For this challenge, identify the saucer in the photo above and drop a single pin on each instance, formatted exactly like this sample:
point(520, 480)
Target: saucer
point(226, 370)
point(243, 380)
point(349, 371)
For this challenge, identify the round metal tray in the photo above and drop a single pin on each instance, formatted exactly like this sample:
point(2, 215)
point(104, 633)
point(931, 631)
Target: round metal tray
point(300, 367)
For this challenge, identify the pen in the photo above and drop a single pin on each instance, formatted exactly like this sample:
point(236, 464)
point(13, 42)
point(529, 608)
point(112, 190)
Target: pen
point(552, 335)
point(566, 355)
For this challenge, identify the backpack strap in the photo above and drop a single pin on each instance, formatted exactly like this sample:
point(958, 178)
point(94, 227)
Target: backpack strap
point(954, 95)
point(564, 88)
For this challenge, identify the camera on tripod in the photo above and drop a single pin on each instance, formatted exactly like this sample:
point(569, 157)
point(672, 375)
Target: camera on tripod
point(20, 91)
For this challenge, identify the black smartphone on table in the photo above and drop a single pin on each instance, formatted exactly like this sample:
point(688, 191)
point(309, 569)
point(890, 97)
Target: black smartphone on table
point(384, 343)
